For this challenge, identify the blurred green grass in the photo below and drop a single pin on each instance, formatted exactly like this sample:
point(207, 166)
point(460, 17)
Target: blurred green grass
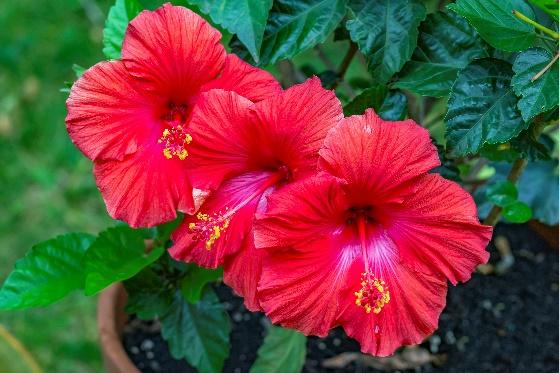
point(46, 184)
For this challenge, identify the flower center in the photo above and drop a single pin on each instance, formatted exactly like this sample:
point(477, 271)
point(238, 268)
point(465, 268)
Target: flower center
point(174, 136)
point(210, 227)
point(373, 294)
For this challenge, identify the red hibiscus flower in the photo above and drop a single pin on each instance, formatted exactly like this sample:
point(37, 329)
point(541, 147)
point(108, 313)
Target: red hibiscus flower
point(368, 243)
point(246, 151)
point(132, 116)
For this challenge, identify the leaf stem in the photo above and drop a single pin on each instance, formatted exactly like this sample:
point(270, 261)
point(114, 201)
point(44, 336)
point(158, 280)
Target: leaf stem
point(330, 66)
point(542, 28)
point(515, 172)
point(345, 63)
point(547, 67)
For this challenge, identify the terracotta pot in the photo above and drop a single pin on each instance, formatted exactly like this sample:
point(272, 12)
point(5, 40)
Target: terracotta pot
point(111, 320)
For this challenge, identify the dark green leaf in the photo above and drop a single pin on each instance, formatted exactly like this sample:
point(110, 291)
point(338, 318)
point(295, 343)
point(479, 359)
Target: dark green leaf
point(447, 169)
point(482, 107)
point(283, 350)
point(390, 105)
point(495, 22)
point(196, 279)
point(198, 332)
point(49, 272)
point(116, 255)
point(296, 25)
point(542, 94)
point(148, 295)
point(549, 6)
point(517, 212)
point(245, 18)
point(524, 146)
point(120, 15)
point(446, 44)
point(386, 33)
point(502, 193)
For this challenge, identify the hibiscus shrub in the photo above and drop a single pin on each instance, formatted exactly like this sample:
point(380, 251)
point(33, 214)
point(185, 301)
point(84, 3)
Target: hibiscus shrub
point(321, 201)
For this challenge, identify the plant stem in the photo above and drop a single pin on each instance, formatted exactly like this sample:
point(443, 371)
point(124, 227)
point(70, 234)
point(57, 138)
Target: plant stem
point(345, 63)
point(542, 28)
point(330, 66)
point(547, 67)
point(515, 172)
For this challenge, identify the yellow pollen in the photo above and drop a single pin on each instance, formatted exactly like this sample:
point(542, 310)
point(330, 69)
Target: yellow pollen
point(209, 228)
point(373, 295)
point(175, 140)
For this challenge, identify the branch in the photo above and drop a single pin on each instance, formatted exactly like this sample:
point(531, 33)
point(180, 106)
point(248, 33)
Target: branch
point(345, 63)
point(330, 66)
point(542, 28)
point(547, 67)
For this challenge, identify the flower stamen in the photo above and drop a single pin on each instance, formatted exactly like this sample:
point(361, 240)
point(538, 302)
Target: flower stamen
point(175, 140)
point(373, 295)
point(209, 227)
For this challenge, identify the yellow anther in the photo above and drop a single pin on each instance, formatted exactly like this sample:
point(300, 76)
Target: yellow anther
point(373, 295)
point(175, 141)
point(208, 228)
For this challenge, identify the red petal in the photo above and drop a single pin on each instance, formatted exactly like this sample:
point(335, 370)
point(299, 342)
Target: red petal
point(416, 301)
point(375, 156)
point(301, 212)
point(293, 125)
point(246, 80)
point(145, 188)
point(172, 51)
point(236, 200)
point(242, 272)
point(220, 131)
point(107, 117)
point(437, 226)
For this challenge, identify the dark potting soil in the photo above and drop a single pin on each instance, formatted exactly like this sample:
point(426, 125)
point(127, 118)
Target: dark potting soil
point(493, 323)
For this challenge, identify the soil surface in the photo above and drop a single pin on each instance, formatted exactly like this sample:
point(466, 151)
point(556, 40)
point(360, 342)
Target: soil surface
point(506, 322)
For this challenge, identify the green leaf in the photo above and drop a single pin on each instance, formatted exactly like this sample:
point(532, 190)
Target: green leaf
point(198, 332)
point(148, 295)
point(494, 21)
point(542, 94)
point(116, 255)
point(245, 18)
point(517, 212)
point(120, 15)
point(390, 105)
point(482, 107)
point(538, 187)
point(386, 33)
point(49, 272)
point(446, 44)
point(196, 279)
point(295, 26)
point(78, 70)
point(502, 193)
point(549, 6)
point(283, 350)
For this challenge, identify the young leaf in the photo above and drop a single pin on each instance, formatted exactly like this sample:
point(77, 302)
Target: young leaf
point(502, 193)
point(116, 255)
point(195, 280)
point(296, 25)
point(549, 6)
point(283, 350)
point(49, 272)
point(386, 33)
point(389, 105)
point(198, 332)
point(245, 18)
point(120, 15)
point(446, 44)
point(517, 212)
point(495, 22)
point(482, 107)
point(148, 295)
point(542, 94)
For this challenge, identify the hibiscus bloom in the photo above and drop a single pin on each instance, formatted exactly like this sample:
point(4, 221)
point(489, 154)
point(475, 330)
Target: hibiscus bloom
point(369, 242)
point(131, 116)
point(243, 152)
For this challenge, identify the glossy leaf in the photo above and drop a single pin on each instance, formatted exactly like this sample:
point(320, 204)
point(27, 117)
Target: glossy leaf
point(389, 104)
point(482, 107)
point(386, 33)
point(517, 212)
point(117, 21)
point(538, 95)
point(116, 255)
point(198, 332)
point(283, 350)
point(495, 22)
point(49, 272)
point(148, 295)
point(446, 44)
point(196, 279)
point(551, 7)
point(245, 18)
point(502, 193)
